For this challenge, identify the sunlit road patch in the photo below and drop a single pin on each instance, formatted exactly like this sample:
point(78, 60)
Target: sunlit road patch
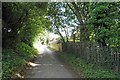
point(49, 66)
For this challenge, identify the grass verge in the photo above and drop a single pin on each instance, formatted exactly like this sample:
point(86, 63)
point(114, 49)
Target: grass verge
point(14, 60)
point(88, 70)
point(55, 47)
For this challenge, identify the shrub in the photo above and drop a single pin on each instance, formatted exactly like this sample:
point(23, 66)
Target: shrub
point(88, 70)
point(26, 51)
point(14, 60)
point(11, 62)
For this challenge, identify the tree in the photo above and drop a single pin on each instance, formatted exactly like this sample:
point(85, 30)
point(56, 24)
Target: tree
point(104, 20)
point(81, 11)
point(22, 22)
point(12, 15)
point(63, 19)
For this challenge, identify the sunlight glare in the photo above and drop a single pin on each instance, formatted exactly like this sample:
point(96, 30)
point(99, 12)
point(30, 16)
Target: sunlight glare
point(33, 64)
point(39, 47)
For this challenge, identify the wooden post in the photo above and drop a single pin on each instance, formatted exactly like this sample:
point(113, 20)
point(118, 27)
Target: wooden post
point(118, 62)
point(74, 38)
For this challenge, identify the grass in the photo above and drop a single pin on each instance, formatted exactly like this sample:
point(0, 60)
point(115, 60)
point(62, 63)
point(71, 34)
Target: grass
point(88, 70)
point(55, 47)
point(14, 60)
point(75, 40)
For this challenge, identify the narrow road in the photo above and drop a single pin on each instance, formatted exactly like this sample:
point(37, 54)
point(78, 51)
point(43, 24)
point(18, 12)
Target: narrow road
point(47, 65)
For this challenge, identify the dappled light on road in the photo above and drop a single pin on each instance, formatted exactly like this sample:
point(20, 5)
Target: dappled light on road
point(47, 65)
point(33, 64)
point(41, 48)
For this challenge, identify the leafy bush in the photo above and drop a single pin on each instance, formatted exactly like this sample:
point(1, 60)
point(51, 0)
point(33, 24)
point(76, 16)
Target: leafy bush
point(11, 62)
point(56, 47)
point(25, 50)
point(89, 70)
point(14, 60)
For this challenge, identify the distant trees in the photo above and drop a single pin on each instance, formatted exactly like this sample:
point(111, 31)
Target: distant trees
point(63, 19)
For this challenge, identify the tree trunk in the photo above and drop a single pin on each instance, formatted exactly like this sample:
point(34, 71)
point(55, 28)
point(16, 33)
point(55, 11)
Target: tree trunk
point(60, 34)
point(74, 38)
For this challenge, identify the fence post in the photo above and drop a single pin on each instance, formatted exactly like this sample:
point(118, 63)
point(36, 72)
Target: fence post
point(118, 62)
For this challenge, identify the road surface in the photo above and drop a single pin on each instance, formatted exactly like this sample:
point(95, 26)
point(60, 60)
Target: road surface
point(47, 65)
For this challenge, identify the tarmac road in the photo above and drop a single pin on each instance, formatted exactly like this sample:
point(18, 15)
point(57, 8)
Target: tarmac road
point(47, 65)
